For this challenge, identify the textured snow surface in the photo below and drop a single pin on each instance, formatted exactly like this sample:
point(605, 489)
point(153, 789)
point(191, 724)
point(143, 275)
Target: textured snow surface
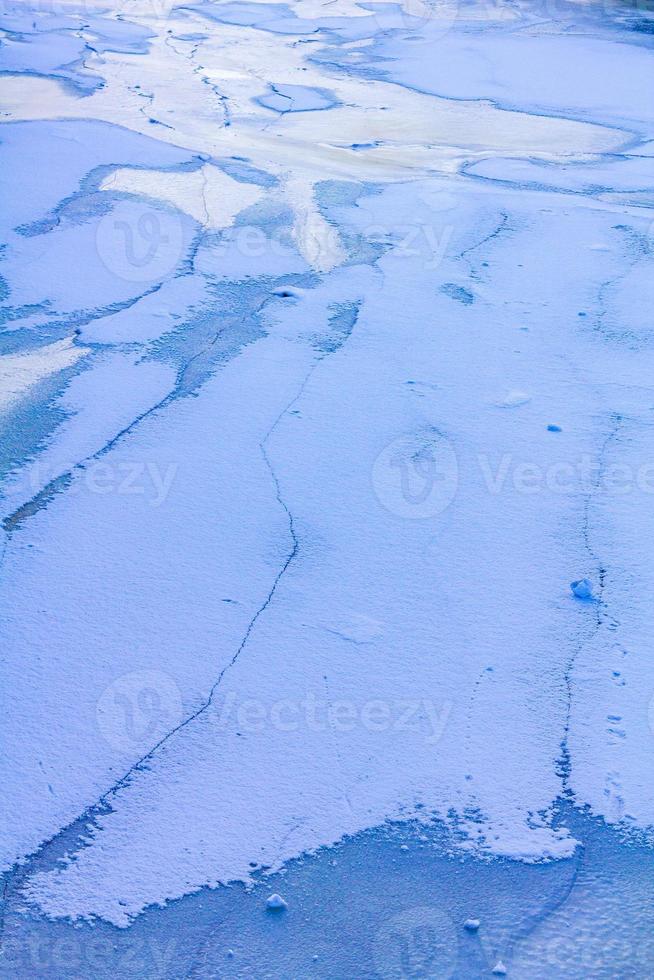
point(325, 368)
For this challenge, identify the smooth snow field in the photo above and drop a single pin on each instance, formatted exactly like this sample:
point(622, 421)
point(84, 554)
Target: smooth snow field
point(327, 488)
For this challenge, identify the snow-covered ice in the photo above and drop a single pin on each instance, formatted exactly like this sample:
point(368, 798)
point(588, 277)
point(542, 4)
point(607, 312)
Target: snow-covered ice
point(292, 296)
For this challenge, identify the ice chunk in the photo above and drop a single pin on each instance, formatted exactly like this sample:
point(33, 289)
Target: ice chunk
point(499, 970)
point(582, 589)
point(276, 903)
point(471, 925)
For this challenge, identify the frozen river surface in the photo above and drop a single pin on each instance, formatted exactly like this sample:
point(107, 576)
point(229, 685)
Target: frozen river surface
point(326, 367)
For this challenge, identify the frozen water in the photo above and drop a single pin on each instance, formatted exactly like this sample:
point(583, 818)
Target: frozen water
point(290, 294)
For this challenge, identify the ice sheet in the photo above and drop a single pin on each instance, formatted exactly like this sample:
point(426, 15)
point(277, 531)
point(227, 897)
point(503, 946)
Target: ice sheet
point(322, 407)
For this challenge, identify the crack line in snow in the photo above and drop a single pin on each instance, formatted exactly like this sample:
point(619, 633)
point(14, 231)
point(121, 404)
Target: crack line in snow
point(473, 248)
point(103, 803)
point(564, 763)
point(198, 70)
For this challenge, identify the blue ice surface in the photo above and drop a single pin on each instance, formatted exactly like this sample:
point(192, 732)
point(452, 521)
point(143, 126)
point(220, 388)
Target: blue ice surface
point(280, 19)
point(333, 198)
point(378, 880)
point(242, 170)
point(52, 45)
point(350, 913)
point(525, 72)
point(118, 35)
point(297, 98)
point(71, 150)
point(342, 320)
point(74, 274)
point(616, 172)
point(458, 293)
point(199, 343)
point(27, 424)
point(56, 222)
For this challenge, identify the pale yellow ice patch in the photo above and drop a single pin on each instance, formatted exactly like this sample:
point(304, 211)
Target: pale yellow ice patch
point(196, 87)
point(189, 89)
point(30, 97)
point(208, 195)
